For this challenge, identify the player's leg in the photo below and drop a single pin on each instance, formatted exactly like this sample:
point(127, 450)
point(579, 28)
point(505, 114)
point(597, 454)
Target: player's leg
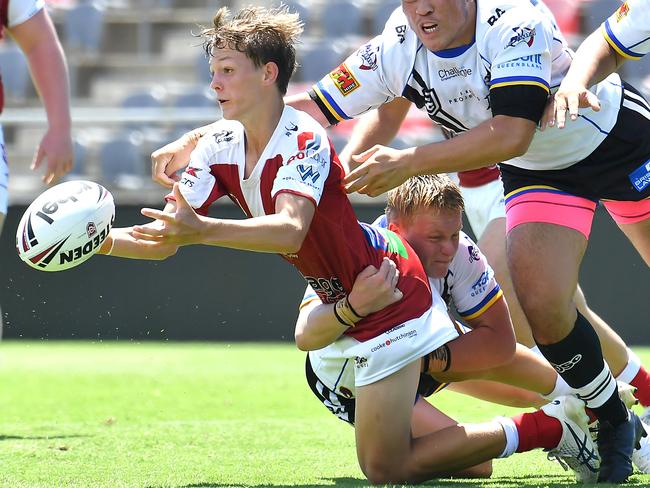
point(499, 393)
point(633, 218)
point(546, 241)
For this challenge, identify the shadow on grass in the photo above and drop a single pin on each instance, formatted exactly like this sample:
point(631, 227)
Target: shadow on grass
point(39, 437)
point(549, 481)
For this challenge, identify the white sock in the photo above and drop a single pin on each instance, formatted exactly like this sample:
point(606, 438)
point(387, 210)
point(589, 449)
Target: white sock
point(631, 368)
point(598, 390)
point(512, 436)
point(561, 388)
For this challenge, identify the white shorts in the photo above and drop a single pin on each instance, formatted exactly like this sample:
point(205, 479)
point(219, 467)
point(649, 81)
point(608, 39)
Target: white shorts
point(348, 363)
point(483, 204)
point(4, 176)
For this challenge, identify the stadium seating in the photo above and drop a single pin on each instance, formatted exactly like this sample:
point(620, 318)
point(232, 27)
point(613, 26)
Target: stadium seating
point(341, 18)
point(84, 26)
point(122, 163)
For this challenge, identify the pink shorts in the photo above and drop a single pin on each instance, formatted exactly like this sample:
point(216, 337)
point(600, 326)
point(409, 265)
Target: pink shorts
point(545, 204)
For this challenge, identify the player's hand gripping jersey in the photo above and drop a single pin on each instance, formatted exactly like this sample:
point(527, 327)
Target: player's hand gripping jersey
point(518, 55)
point(299, 159)
point(628, 29)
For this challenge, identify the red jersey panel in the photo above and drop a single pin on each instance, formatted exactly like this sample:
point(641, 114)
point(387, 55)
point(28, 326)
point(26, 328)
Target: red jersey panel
point(299, 159)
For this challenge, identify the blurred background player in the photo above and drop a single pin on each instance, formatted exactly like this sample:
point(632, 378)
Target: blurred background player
point(29, 25)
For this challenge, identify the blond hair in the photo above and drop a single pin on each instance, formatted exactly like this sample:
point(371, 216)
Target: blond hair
point(263, 34)
point(423, 192)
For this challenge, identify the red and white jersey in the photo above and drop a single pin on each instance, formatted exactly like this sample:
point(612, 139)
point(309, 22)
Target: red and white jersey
point(628, 29)
point(299, 159)
point(13, 13)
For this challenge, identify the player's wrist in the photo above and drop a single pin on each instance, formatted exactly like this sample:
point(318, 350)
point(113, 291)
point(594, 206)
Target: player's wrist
point(346, 314)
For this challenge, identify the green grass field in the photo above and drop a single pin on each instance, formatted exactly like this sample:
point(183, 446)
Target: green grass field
point(192, 415)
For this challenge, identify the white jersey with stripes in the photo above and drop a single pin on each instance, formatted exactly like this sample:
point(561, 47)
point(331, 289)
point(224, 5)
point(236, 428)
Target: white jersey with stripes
point(516, 43)
point(628, 29)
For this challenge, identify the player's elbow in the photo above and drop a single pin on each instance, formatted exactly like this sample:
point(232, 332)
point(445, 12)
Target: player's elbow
point(294, 238)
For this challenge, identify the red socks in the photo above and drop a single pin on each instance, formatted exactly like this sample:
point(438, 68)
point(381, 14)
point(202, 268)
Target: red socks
point(537, 430)
point(642, 383)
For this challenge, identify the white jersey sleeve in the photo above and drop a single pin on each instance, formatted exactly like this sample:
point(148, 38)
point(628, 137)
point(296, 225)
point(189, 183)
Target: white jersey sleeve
point(628, 29)
point(306, 168)
point(519, 48)
point(471, 281)
point(375, 74)
point(22, 10)
point(198, 184)
point(309, 297)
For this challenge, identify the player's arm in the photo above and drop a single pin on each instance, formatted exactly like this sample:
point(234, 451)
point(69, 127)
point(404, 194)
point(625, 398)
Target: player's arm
point(490, 343)
point(498, 139)
point(304, 102)
point(282, 232)
point(38, 40)
point(374, 289)
point(122, 243)
point(593, 61)
point(378, 126)
point(172, 157)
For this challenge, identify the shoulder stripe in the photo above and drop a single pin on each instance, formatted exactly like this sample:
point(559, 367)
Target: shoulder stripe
point(486, 303)
point(519, 80)
point(609, 36)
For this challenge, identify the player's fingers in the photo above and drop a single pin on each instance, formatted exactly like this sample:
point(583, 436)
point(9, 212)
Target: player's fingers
point(355, 184)
point(355, 174)
point(560, 112)
point(367, 272)
point(365, 155)
point(592, 101)
point(548, 118)
point(573, 105)
point(159, 164)
point(154, 214)
point(39, 155)
point(181, 201)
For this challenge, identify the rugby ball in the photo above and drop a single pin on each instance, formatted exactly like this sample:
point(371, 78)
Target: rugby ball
point(65, 225)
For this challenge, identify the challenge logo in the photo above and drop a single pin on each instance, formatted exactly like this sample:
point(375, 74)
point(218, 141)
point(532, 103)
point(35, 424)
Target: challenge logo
point(455, 72)
point(344, 80)
point(622, 12)
point(522, 34)
point(368, 55)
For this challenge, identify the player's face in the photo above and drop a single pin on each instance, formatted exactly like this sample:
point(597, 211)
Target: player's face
point(236, 80)
point(433, 235)
point(442, 24)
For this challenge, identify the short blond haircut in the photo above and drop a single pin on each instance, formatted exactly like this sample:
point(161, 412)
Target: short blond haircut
point(263, 34)
point(423, 192)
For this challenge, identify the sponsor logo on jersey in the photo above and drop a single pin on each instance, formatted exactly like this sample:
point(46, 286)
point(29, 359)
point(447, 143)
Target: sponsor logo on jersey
point(368, 55)
point(531, 61)
point(328, 290)
point(480, 285)
point(308, 140)
point(391, 340)
point(223, 136)
point(473, 254)
point(308, 173)
point(622, 12)
point(463, 96)
point(640, 177)
point(344, 80)
point(191, 170)
point(400, 30)
point(496, 15)
point(455, 72)
point(361, 362)
point(522, 34)
point(290, 128)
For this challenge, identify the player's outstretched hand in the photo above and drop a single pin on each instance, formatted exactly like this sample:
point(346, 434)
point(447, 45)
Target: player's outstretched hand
point(181, 227)
point(167, 160)
point(375, 289)
point(569, 98)
point(56, 149)
point(380, 169)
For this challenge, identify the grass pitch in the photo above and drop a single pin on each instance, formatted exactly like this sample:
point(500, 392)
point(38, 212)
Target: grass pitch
point(193, 415)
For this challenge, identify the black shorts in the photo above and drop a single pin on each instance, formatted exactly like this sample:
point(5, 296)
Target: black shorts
point(607, 173)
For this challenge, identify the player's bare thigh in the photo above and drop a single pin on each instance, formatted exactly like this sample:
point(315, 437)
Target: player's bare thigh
point(639, 235)
point(544, 261)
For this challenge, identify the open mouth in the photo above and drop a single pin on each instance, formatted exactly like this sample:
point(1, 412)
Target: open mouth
point(430, 27)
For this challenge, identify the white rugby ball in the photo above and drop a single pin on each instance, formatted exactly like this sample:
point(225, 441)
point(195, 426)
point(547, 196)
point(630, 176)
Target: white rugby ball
point(65, 225)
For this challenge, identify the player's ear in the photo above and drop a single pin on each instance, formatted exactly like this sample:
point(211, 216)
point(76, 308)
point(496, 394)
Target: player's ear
point(270, 73)
point(393, 227)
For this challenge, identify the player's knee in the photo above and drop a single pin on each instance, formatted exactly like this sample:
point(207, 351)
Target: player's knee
point(480, 471)
point(381, 471)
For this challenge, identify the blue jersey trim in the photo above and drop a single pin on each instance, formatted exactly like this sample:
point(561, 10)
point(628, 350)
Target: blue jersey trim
point(453, 52)
point(483, 303)
point(331, 101)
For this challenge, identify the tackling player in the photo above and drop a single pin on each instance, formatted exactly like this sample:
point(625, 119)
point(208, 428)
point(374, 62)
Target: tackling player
point(278, 165)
